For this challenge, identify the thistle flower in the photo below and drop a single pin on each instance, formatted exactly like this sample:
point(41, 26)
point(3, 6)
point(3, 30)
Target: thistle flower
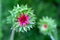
point(47, 25)
point(22, 18)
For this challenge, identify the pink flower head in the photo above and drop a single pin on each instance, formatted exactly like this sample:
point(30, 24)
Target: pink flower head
point(23, 19)
point(45, 25)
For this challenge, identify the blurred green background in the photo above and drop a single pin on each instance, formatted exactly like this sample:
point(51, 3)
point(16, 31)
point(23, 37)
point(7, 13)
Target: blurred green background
point(50, 8)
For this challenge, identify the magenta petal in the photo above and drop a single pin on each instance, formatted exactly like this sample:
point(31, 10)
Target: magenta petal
point(20, 24)
point(24, 23)
point(45, 25)
point(23, 19)
point(27, 17)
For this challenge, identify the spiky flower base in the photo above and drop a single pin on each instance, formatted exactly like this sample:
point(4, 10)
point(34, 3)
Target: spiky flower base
point(22, 18)
point(47, 25)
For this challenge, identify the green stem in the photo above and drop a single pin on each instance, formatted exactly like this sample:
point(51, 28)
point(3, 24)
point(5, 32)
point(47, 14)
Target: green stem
point(51, 36)
point(55, 35)
point(12, 35)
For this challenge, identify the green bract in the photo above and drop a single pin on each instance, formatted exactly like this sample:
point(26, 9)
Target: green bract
point(16, 12)
point(47, 25)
